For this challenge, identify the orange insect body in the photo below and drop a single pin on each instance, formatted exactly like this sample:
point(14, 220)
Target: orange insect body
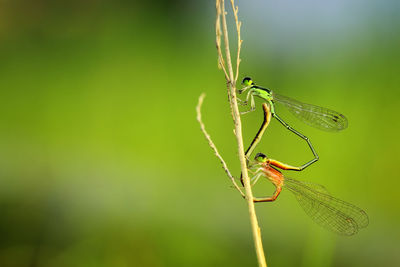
point(332, 213)
point(275, 176)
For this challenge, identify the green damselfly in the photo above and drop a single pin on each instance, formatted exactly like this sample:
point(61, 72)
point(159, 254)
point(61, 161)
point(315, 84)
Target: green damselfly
point(318, 117)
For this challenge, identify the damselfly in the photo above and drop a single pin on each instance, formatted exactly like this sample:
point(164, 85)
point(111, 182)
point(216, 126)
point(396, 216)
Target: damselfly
point(318, 117)
point(332, 213)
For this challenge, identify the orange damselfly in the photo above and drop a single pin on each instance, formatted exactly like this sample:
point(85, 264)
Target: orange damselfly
point(332, 213)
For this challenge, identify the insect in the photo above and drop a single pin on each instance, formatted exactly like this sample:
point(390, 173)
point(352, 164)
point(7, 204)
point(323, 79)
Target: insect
point(332, 213)
point(318, 117)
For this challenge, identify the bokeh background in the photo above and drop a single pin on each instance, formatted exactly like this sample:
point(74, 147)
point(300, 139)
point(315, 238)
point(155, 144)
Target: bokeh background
point(102, 162)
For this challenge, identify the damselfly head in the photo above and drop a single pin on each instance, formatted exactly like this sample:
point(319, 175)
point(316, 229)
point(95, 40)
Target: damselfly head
point(247, 81)
point(260, 157)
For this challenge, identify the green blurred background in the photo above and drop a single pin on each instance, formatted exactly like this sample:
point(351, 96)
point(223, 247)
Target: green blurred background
point(102, 162)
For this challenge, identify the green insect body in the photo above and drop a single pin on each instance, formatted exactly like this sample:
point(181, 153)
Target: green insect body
point(318, 117)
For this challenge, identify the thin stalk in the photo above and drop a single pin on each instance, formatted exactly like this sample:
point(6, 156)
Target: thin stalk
point(231, 83)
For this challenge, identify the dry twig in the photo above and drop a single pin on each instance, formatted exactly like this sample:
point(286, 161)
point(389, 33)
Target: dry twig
point(225, 63)
point(211, 143)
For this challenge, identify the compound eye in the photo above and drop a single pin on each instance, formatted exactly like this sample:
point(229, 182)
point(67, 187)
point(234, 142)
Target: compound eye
point(260, 157)
point(247, 81)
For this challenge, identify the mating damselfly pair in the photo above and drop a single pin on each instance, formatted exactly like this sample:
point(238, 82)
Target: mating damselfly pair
point(330, 212)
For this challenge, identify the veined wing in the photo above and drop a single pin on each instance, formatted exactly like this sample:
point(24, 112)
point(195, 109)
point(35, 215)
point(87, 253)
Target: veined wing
point(334, 214)
point(318, 117)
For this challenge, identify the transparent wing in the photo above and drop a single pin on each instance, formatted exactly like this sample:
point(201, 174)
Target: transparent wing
point(318, 117)
point(334, 214)
point(316, 187)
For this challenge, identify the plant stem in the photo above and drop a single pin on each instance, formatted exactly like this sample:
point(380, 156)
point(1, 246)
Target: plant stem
point(231, 83)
